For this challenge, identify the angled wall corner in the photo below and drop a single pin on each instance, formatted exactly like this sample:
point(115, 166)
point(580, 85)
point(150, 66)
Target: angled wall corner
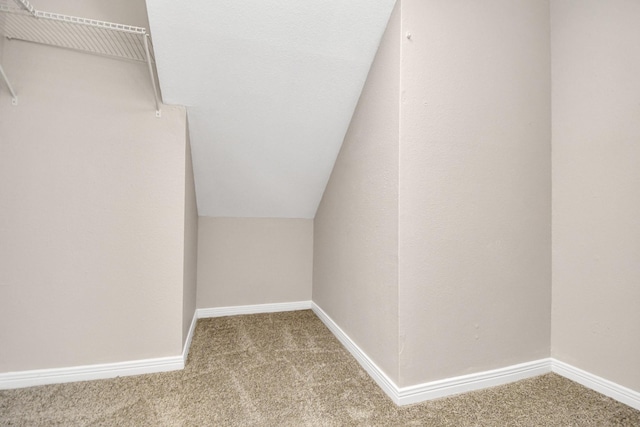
point(190, 263)
point(355, 246)
point(432, 241)
point(476, 192)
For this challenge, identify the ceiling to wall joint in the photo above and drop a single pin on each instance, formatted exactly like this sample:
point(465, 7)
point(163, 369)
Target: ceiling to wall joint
point(19, 20)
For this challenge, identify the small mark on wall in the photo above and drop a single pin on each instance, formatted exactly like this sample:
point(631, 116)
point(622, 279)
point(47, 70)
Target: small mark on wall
point(598, 328)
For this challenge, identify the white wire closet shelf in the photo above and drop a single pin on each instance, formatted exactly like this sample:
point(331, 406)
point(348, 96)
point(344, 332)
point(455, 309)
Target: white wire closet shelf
point(21, 21)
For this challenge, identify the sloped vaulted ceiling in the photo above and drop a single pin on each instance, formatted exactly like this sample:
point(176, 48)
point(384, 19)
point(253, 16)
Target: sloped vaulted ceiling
point(270, 87)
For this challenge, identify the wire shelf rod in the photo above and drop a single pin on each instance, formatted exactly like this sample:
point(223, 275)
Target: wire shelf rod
point(56, 29)
point(26, 6)
point(21, 21)
point(90, 22)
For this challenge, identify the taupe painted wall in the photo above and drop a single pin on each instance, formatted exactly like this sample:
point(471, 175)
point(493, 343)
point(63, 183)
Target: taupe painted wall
point(474, 239)
point(432, 244)
point(92, 190)
point(246, 261)
point(355, 272)
point(596, 187)
point(190, 272)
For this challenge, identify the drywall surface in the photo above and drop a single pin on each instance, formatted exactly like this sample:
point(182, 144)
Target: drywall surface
point(245, 261)
point(190, 273)
point(271, 87)
point(355, 272)
point(91, 213)
point(474, 187)
point(596, 187)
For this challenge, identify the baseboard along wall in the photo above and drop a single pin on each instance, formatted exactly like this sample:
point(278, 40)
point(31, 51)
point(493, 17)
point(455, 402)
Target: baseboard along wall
point(480, 380)
point(399, 395)
point(187, 342)
point(608, 388)
point(37, 377)
point(253, 309)
point(435, 389)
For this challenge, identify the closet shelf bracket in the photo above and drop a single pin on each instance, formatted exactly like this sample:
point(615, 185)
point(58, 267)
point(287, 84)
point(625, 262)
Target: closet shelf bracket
point(151, 74)
point(14, 97)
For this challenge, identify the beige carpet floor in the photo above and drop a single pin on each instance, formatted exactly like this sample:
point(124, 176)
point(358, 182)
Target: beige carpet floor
point(287, 369)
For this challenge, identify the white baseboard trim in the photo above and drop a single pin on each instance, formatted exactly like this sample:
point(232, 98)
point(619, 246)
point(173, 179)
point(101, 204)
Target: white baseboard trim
point(89, 372)
point(471, 382)
point(253, 309)
point(434, 389)
point(187, 343)
point(479, 380)
point(594, 382)
point(378, 375)
point(38, 377)
point(399, 395)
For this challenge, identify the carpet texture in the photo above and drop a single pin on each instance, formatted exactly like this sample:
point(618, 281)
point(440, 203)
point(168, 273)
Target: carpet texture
point(287, 369)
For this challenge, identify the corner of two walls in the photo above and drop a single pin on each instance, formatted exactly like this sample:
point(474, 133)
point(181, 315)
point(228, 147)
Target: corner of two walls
point(190, 261)
point(432, 241)
point(355, 269)
point(481, 283)
point(432, 244)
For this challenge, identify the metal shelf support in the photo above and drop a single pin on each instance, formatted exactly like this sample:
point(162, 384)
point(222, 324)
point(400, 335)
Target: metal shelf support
point(153, 79)
point(14, 97)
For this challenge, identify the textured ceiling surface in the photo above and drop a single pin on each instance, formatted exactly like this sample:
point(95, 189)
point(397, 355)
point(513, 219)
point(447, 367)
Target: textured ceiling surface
point(270, 88)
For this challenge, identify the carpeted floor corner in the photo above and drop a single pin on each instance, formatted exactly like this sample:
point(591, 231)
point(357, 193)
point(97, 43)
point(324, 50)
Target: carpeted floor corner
point(287, 369)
